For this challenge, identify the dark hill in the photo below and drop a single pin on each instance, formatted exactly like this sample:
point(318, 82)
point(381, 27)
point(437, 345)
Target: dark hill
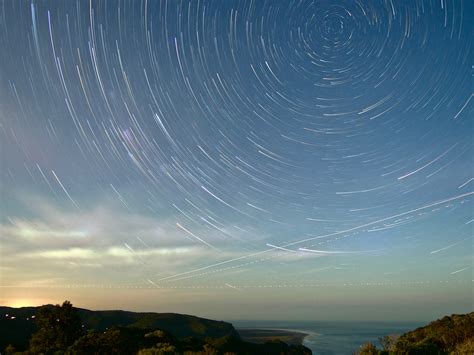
point(180, 325)
point(18, 326)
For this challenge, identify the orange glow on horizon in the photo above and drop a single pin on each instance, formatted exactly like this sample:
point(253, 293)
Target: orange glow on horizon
point(25, 302)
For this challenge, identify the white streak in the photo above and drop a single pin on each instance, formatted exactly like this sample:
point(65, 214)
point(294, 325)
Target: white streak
point(195, 236)
point(426, 165)
point(280, 248)
point(460, 270)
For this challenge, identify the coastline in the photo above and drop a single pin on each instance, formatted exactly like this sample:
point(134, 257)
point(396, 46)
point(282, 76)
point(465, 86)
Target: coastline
point(331, 337)
point(261, 335)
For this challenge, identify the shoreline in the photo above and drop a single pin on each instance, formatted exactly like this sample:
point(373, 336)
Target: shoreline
point(261, 335)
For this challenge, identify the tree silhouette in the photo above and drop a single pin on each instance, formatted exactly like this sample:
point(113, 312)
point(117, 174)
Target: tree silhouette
point(58, 327)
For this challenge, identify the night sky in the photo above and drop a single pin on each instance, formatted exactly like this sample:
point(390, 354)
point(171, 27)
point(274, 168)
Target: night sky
point(238, 159)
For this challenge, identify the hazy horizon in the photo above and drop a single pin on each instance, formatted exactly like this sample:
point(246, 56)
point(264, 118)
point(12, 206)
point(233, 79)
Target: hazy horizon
point(351, 313)
point(240, 159)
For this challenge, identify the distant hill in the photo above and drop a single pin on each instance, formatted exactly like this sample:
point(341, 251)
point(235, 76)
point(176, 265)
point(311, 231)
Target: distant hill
point(17, 324)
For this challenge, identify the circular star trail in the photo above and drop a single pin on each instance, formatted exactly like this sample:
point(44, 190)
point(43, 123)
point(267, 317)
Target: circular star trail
point(232, 135)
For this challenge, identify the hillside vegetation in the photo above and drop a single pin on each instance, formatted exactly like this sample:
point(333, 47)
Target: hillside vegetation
point(18, 324)
point(67, 330)
point(449, 335)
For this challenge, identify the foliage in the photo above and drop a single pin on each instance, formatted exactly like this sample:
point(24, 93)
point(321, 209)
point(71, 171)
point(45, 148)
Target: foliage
point(111, 341)
point(59, 331)
point(10, 349)
point(466, 347)
point(439, 337)
point(130, 340)
point(159, 349)
point(449, 335)
point(368, 349)
point(388, 342)
point(18, 328)
point(57, 328)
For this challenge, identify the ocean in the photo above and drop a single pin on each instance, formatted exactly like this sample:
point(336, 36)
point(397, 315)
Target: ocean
point(334, 338)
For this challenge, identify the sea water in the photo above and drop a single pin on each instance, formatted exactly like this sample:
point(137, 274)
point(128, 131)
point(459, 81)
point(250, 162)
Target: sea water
point(334, 338)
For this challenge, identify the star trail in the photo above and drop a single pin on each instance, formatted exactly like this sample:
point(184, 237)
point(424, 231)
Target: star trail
point(236, 149)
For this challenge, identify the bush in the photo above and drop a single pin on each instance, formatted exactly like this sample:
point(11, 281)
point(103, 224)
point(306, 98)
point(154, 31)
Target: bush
point(58, 328)
point(466, 347)
point(368, 349)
